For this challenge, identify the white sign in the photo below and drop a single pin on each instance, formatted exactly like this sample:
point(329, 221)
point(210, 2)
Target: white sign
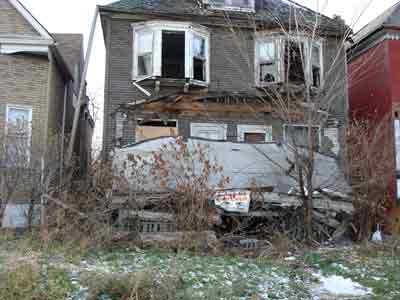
point(233, 201)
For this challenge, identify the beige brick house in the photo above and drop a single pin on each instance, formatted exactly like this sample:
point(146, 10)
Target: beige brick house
point(39, 80)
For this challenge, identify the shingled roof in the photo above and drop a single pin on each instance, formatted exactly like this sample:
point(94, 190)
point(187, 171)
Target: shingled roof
point(277, 11)
point(70, 47)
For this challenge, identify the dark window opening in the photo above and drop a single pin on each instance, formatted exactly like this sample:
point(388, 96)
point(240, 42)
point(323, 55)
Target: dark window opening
point(294, 62)
point(157, 123)
point(199, 69)
point(265, 72)
point(252, 137)
point(173, 54)
point(316, 76)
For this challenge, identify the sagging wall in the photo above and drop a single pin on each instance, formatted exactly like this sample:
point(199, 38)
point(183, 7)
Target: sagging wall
point(231, 70)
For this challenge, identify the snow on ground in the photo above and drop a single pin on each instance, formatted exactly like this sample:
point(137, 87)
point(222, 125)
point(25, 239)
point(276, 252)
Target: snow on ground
point(339, 286)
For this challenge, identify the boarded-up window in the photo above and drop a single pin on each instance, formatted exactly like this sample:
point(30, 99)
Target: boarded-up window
point(146, 130)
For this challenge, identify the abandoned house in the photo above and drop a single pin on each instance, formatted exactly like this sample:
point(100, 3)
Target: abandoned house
point(374, 93)
point(204, 69)
point(39, 82)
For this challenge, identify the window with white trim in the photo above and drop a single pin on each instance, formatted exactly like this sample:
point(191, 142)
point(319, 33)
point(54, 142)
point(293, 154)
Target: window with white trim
point(18, 132)
point(297, 135)
point(176, 50)
point(211, 131)
point(254, 133)
point(144, 53)
point(278, 58)
point(240, 5)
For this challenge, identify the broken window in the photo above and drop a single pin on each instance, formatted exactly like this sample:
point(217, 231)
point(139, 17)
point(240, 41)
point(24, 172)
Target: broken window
point(199, 58)
point(173, 54)
point(316, 65)
point(254, 133)
point(151, 129)
point(294, 61)
point(297, 135)
point(209, 131)
point(268, 63)
point(246, 5)
point(281, 59)
point(171, 50)
point(145, 53)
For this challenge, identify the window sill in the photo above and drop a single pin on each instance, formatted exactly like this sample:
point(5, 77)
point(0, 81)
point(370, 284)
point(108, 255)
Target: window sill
point(172, 82)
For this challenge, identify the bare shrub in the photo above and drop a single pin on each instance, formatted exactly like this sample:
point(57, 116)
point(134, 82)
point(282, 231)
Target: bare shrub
point(370, 156)
point(83, 212)
point(191, 177)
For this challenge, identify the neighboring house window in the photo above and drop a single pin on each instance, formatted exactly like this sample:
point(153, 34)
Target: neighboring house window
point(212, 131)
point(174, 50)
point(241, 5)
point(254, 133)
point(19, 132)
point(281, 58)
point(297, 135)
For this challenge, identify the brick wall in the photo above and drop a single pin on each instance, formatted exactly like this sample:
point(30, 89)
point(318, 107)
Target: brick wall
point(11, 22)
point(24, 82)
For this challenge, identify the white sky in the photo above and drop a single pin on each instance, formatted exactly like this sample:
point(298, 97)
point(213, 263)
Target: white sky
point(75, 16)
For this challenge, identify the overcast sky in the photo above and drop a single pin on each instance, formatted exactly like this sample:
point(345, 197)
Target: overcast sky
point(74, 16)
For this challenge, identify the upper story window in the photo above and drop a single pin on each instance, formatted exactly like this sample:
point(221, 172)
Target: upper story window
point(240, 5)
point(171, 50)
point(280, 59)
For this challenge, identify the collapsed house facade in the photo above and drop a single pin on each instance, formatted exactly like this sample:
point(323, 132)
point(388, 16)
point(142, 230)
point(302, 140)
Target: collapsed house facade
point(207, 69)
point(233, 76)
point(40, 77)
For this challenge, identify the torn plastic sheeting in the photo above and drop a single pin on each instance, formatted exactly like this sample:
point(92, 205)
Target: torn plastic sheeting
point(247, 165)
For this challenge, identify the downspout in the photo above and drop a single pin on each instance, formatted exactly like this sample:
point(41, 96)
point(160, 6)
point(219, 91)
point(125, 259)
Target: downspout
point(49, 98)
point(63, 134)
point(82, 88)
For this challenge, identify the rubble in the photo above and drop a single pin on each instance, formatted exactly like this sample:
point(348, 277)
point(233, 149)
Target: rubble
point(259, 201)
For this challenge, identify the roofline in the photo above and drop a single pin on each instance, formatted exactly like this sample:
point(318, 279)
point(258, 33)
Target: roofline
point(372, 33)
point(31, 19)
point(104, 8)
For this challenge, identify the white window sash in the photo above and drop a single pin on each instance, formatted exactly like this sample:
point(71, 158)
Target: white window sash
point(278, 59)
point(220, 129)
point(287, 139)
point(9, 107)
point(280, 47)
point(157, 27)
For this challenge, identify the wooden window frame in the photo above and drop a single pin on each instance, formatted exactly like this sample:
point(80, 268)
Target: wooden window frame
point(243, 129)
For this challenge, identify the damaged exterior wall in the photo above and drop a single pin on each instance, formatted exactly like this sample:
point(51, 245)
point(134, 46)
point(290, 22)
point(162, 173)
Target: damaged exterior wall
point(231, 70)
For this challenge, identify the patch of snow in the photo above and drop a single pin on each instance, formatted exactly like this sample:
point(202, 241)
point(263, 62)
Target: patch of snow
point(290, 258)
point(338, 285)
